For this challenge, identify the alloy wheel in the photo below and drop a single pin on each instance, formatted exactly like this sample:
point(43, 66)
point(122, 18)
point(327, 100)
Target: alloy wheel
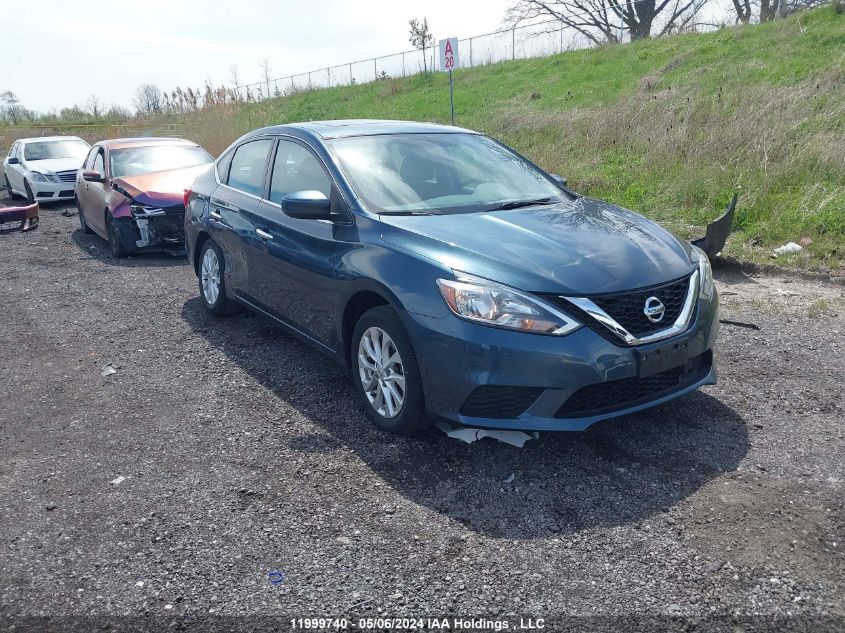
point(210, 276)
point(381, 371)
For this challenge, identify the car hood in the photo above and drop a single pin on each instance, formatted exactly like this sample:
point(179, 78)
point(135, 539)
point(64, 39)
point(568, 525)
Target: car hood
point(53, 165)
point(164, 188)
point(582, 247)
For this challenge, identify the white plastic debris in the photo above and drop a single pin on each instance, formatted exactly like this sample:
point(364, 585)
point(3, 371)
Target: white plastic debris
point(786, 293)
point(510, 478)
point(791, 247)
point(108, 370)
point(469, 435)
point(117, 480)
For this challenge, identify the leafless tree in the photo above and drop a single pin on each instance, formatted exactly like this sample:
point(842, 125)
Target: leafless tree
point(11, 109)
point(149, 100)
point(603, 21)
point(421, 37)
point(94, 106)
point(265, 72)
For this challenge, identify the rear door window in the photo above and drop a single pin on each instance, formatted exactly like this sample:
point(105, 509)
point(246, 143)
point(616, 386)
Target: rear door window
point(248, 164)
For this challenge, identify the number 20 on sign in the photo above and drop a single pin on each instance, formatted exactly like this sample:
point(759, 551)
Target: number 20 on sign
point(449, 61)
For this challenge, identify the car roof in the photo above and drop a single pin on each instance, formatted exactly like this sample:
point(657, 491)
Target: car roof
point(362, 127)
point(144, 141)
point(41, 139)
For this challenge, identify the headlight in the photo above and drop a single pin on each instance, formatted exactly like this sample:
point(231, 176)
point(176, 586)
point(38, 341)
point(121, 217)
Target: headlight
point(489, 303)
point(39, 177)
point(705, 273)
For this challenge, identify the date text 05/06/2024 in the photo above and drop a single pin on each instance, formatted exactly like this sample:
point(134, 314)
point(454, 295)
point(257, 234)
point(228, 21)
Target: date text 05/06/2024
point(418, 624)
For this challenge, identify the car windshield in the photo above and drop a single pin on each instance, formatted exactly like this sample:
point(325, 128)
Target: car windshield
point(133, 161)
point(439, 173)
point(42, 150)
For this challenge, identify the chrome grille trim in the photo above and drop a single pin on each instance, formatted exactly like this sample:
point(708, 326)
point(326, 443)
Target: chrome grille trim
point(680, 324)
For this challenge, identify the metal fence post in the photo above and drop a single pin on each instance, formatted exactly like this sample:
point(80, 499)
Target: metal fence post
point(350, 74)
point(403, 64)
point(470, 51)
point(375, 66)
point(309, 80)
point(329, 76)
point(513, 43)
point(561, 37)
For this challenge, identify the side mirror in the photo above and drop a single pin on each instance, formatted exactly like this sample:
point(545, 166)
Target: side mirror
point(559, 179)
point(307, 205)
point(14, 160)
point(92, 176)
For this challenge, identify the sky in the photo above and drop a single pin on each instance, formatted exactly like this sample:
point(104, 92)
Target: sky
point(71, 50)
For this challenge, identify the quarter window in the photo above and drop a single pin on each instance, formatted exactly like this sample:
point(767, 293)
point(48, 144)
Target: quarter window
point(89, 160)
point(297, 169)
point(99, 167)
point(248, 163)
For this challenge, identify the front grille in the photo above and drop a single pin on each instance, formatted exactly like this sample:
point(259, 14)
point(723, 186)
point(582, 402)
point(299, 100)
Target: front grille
point(66, 193)
point(627, 308)
point(605, 397)
point(170, 227)
point(492, 401)
point(67, 176)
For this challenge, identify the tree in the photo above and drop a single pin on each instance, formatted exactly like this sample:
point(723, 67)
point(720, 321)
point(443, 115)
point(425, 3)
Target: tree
point(12, 110)
point(603, 21)
point(265, 72)
point(94, 106)
point(149, 100)
point(421, 37)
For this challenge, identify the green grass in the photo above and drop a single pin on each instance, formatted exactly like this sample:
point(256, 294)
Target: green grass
point(669, 127)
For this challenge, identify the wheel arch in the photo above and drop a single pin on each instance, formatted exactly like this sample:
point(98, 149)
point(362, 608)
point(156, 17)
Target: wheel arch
point(202, 238)
point(362, 300)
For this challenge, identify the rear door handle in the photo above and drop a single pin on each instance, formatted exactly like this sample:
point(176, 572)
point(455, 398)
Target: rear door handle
point(264, 235)
point(214, 215)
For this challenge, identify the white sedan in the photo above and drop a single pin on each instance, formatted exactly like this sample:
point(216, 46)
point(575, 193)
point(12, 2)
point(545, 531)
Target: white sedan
point(43, 168)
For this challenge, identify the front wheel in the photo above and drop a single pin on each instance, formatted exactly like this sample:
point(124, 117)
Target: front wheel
point(211, 281)
point(386, 373)
point(83, 223)
point(115, 243)
point(12, 195)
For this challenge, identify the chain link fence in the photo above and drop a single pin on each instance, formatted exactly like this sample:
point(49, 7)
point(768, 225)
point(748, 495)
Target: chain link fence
point(531, 40)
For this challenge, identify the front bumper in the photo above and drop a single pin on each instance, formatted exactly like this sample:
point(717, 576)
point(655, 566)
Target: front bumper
point(47, 191)
point(457, 357)
point(164, 232)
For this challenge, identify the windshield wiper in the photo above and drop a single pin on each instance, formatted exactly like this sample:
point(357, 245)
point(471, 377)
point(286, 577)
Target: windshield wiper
point(518, 204)
point(421, 212)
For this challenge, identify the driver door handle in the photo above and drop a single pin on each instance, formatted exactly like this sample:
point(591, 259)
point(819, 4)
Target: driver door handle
point(264, 235)
point(214, 215)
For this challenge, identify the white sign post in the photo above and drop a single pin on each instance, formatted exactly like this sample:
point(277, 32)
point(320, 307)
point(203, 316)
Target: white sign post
point(448, 61)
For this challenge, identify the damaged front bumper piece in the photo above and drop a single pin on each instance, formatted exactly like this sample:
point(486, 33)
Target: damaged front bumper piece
point(19, 218)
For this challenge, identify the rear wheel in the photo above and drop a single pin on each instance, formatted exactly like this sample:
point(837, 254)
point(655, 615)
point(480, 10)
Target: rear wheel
point(386, 373)
point(83, 223)
point(211, 282)
point(30, 197)
point(12, 195)
point(116, 246)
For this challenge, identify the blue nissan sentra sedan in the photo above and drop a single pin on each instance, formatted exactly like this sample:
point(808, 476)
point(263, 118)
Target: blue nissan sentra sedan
point(455, 278)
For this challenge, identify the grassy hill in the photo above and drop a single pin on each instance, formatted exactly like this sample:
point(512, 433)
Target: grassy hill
point(669, 127)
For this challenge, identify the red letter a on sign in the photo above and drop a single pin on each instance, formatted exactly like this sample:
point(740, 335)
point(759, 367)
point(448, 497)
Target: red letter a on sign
point(448, 50)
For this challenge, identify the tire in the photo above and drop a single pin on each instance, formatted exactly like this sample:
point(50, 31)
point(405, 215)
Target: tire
point(30, 197)
point(400, 377)
point(83, 223)
point(12, 195)
point(116, 246)
point(212, 283)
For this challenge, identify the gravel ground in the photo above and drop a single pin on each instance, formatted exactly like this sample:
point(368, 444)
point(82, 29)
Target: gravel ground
point(223, 449)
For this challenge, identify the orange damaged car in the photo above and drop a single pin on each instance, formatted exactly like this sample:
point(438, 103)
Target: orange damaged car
point(131, 192)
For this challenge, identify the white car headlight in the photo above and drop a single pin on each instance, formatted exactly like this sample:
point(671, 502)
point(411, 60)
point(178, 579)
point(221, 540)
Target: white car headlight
point(39, 177)
point(705, 273)
point(489, 303)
